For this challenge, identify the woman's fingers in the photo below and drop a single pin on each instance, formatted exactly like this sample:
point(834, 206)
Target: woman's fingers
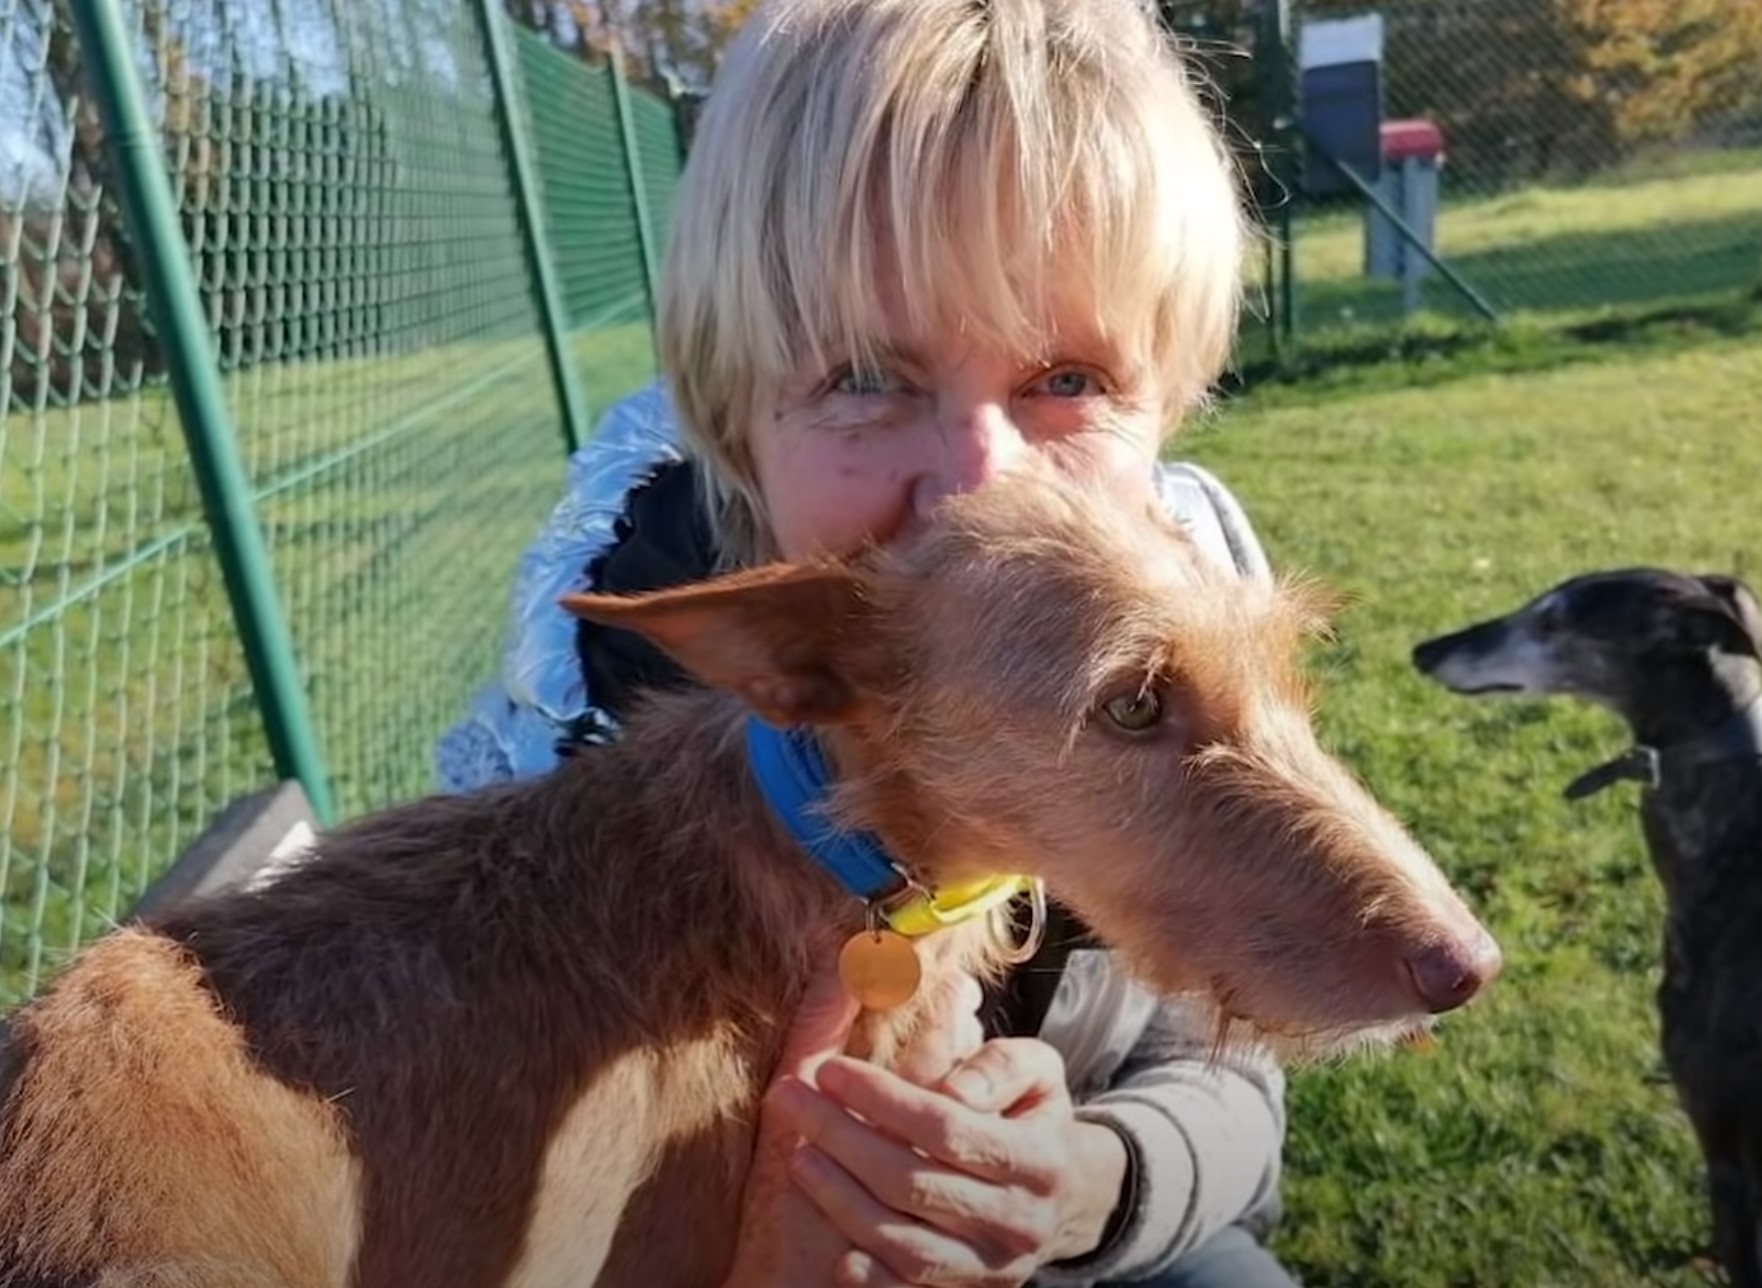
point(821, 1024)
point(1009, 1076)
point(981, 1143)
point(951, 1034)
point(912, 1251)
point(859, 1269)
point(897, 1177)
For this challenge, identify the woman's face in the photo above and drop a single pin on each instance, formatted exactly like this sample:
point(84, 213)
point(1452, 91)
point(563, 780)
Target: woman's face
point(848, 454)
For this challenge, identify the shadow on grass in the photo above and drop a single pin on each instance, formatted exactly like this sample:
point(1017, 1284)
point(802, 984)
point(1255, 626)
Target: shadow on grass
point(1637, 268)
point(1436, 350)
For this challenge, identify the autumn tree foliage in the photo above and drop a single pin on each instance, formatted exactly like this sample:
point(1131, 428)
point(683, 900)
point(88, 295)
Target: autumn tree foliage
point(1663, 70)
point(672, 44)
point(1561, 89)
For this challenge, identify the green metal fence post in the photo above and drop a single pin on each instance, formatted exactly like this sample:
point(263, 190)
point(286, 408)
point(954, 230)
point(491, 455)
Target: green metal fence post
point(1407, 232)
point(552, 317)
point(1283, 113)
point(170, 285)
point(645, 233)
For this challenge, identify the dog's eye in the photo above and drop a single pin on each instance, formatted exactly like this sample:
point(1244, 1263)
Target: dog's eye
point(1134, 712)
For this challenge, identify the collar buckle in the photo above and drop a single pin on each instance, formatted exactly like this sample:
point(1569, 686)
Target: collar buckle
point(1640, 764)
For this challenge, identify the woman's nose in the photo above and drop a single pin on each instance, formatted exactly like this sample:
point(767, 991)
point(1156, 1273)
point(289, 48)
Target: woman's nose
point(973, 447)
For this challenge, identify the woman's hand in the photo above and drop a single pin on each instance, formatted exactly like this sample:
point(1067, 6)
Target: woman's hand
point(980, 1181)
point(784, 1240)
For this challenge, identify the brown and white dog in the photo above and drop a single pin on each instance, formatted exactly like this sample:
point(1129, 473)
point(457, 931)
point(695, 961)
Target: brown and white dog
point(518, 1037)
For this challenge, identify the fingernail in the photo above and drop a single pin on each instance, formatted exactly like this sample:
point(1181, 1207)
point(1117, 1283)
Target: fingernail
point(835, 1068)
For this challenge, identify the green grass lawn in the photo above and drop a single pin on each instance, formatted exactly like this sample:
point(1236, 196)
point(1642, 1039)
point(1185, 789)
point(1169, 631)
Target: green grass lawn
point(1537, 1144)
point(1557, 254)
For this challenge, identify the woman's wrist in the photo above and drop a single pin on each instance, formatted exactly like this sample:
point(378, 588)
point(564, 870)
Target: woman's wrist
point(1103, 1162)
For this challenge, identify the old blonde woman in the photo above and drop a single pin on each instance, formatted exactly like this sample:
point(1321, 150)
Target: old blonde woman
point(917, 244)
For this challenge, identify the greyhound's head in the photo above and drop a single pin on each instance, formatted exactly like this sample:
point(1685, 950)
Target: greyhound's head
point(1666, 650)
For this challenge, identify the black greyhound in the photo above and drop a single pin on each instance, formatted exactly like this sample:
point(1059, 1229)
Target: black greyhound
point(1680, 659)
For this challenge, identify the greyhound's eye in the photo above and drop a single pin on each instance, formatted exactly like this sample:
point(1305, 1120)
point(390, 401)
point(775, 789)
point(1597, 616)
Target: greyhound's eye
point(1136, 712)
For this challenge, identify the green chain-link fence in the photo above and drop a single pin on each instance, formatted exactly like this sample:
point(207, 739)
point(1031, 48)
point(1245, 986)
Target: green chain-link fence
point(344, 199)
point(1599, 156)
point(605, 237)
point(1602, 158)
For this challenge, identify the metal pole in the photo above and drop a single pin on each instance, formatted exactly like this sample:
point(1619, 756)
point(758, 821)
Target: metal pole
point(1408, 234)
point(1284, 113)
point(645, 235)
point(552, 317)
point(170, 286)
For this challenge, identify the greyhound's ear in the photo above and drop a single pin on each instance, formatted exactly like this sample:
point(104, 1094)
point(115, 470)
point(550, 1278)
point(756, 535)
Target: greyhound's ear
point(788, 640)
point(1730, 617)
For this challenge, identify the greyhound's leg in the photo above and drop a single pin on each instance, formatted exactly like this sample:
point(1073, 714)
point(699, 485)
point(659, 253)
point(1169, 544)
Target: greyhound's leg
point(1735, 1229)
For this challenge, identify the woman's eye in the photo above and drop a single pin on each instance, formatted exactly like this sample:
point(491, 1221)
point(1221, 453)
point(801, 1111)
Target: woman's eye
point(862, 381)
point(1134, 712)
point(1069, 383)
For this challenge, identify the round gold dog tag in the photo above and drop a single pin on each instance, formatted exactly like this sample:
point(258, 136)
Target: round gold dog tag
point(879, 968)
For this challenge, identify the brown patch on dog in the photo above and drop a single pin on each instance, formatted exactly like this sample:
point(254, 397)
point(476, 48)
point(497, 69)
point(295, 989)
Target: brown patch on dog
point(229, 1178)
point(788, 641)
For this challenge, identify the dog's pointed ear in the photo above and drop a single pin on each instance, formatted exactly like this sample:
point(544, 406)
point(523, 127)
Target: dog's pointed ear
point(788, 640)
point(1729, 617)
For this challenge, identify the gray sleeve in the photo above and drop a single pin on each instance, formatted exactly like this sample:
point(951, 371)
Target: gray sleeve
point(1204, 1131)
point(511, 727)
point(1213, 515)
point(1204, 1136)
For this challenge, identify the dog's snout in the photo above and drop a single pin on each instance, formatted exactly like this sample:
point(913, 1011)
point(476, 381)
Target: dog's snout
point(1428, 653)
point(1448, 973)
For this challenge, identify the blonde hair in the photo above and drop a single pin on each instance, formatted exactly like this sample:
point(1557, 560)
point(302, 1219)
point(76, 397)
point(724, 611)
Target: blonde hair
point(987, 143)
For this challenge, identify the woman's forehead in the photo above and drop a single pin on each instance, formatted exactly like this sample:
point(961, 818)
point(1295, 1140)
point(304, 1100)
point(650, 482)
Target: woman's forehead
point(945, 301)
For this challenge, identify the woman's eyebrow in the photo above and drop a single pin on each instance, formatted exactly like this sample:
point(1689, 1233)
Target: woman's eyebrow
point(875, 352)
point(1085, 340)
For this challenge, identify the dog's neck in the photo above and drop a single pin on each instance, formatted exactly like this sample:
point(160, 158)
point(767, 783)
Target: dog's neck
point(1690, 717)
point(731, 861)
point(1678, 703)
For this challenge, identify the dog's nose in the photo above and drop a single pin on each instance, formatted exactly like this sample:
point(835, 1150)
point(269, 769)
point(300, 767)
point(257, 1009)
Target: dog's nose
point(1447, 974)
point(1427, 654)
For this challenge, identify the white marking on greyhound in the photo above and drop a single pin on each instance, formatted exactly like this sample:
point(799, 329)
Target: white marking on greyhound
point(1522, 663)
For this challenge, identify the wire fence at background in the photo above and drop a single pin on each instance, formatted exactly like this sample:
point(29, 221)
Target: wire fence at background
point(376, 356)
point(270, 534)
point(1602, 159)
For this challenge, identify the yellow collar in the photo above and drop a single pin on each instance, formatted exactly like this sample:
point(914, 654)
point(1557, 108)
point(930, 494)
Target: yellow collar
point(920, 912)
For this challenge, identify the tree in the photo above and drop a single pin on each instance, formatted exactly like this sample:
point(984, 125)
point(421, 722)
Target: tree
point(1529, 89)
point(672, 45)
point(80, 310)
point(1667, 69)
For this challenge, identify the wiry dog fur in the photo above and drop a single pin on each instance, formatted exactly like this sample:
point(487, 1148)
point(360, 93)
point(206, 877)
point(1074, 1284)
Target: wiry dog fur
point(518, 1037)
point(1679, 658)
